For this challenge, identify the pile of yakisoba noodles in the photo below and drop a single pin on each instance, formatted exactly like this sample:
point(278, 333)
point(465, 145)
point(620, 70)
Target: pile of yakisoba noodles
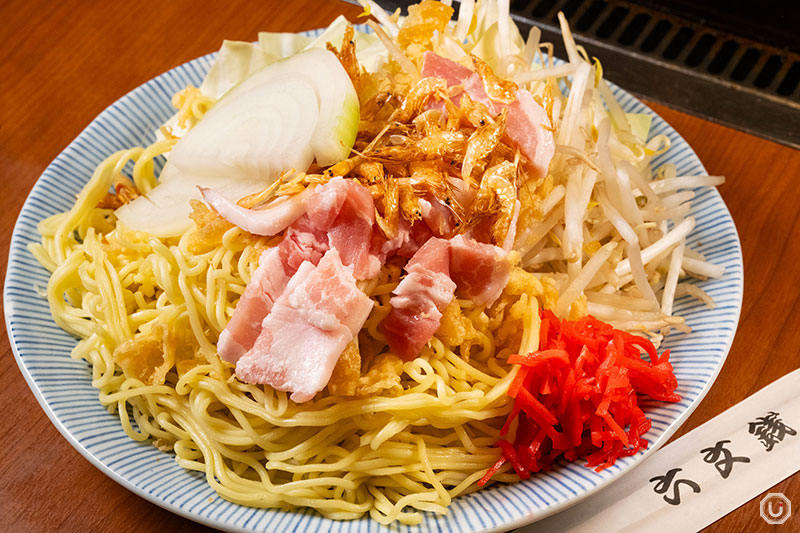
point(598, 233)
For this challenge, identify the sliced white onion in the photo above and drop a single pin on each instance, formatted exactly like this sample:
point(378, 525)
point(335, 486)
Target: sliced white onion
point(277, 119)
point(252, 135)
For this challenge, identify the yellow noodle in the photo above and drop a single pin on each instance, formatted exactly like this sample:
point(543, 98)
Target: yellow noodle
point(391, 455)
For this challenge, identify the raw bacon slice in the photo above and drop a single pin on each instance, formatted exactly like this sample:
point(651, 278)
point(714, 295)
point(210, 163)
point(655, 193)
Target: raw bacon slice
point(302, 242)
point(479, 270)
point(436, 66)
point(418, 234)
point(405, 243)
point(474, 87)
point(318, 314)
point(351, 231)
point(433, 255)
point(527, 125)
point(266, 285)
point(419, 299)
point(338, 214)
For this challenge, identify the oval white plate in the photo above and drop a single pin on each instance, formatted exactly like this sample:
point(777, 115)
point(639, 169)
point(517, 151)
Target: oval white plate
point(63, 385)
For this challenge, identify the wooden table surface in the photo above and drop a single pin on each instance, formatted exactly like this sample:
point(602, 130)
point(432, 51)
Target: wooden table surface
point(64, 62)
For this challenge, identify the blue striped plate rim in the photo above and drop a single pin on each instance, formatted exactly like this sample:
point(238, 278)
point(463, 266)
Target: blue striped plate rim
point(63, 385)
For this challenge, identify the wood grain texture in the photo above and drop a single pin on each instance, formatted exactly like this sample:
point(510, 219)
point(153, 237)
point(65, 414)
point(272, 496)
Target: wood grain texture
point(64, 62)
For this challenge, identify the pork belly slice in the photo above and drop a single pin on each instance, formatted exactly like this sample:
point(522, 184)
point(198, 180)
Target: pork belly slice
point(266, 285)
point(418, 300)
point(276, 267)
point(309, 326)
point(436, 66)
point(350, 233)
point(479, 270)
point(339, 215)
point(528, 127)
point(331, 220)
point(405, 243)
point(527, 124)
point(410, 237)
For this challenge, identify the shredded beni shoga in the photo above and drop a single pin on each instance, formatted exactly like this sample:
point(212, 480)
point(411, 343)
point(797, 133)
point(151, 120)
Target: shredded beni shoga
point(596, 217)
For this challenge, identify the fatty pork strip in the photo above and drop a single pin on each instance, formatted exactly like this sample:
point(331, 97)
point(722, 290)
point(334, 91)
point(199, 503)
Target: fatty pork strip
point(338, 214)
point(267, 284)
point(527, 124)
point(301, 340)
point(478, 270)
point(418, 300)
